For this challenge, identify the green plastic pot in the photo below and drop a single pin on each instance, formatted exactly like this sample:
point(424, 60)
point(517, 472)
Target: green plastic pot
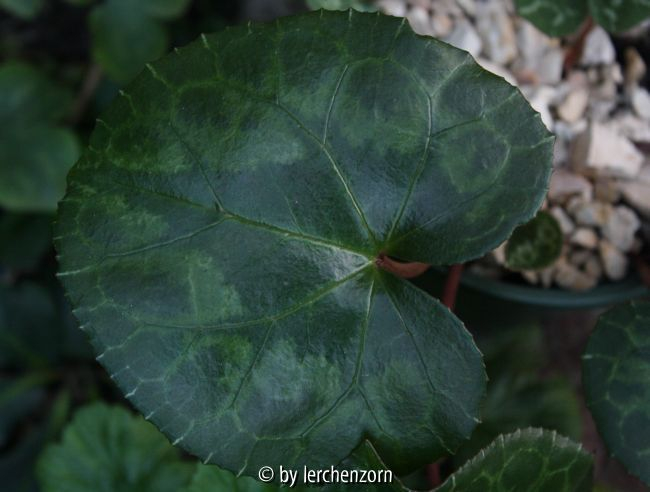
point(604, 295)
point(601, 296)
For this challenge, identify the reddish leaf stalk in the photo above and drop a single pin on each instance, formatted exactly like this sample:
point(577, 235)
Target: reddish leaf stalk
point(404, 270)
point(451, 286)
point(575, 49)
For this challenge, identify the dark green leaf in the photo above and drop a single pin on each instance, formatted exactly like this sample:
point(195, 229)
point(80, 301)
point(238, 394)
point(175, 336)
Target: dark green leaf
point(219, 237)
point(125, 38)
point(618, 16)
point(554, 17)
point(535, 245)
point(533, 460)
point(26, 9)
point(616, 373)
point(106, 448)
point(24, 239)
point(560, 17)
point(35, 155)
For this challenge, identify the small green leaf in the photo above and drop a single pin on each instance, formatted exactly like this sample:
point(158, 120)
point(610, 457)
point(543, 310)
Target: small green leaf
point(360, 5)
point(125, 38)
point(618, 16)
point(35, 154)
point(560, 18)
point(106, 448)
point(616, 374)
point(224, 226)
point(554, 17)
point(533, 460)
point(535, 245)
point(25, 9)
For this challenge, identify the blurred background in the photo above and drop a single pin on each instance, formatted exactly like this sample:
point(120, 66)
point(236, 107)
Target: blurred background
point(62, 63)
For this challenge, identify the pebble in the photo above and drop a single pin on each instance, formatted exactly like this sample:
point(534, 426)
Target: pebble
point(465, 37)
point(640, 100)
point(541, 58)
point(569, 277)
point(635, 67)
point(585, 237)
point(593, 267)
point(632, 127)
point(574, 106)
point(396, 8)
point(593, 213)
point(566, 224)
point(420, 21)
point(442, 25)
point(601, 149)
point(621, 228)
point(614, 262)
point(598, 49)
point(565, 184)
point(497, 31)
point(607, 190)
point(637, 195)
point(541, 101)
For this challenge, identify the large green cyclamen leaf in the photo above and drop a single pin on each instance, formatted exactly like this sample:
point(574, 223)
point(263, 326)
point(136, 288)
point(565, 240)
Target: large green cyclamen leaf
point(616, 373)
point(108, 449)
point(533, 460)
point(559, 17)
point(35, 154)
point(219, 237)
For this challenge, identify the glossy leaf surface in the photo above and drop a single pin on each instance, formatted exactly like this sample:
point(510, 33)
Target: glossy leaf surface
point(616, 372)
point(533, 460)
point(108, 449)
point(536, 244)
point(219, 237)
